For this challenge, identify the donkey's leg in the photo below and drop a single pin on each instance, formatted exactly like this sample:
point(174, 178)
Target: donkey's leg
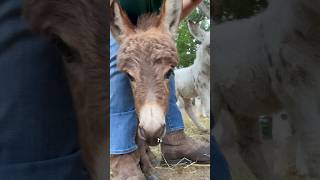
point(146, 162)
point(305, 114)
point(189, 109)
point(250, 146)
point(301, 166)
point(284, 143)
point(153, 158)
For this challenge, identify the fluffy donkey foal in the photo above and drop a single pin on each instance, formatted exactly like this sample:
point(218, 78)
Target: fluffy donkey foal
point(79, 28)
point(148, 55)
point(194, 80)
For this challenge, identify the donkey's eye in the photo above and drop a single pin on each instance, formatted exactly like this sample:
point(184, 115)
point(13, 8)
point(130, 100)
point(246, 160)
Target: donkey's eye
point(65, 50)
point(130, 77)
point(168, 74)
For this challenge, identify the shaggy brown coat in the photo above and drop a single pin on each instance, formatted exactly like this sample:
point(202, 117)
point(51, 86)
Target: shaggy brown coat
point(80, 29)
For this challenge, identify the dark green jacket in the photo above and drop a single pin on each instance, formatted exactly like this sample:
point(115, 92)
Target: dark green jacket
point(135, 8)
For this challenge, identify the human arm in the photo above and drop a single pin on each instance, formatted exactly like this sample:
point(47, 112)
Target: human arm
point(188, 7)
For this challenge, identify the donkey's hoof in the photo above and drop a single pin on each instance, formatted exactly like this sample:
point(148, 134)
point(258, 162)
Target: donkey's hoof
point(153, 177)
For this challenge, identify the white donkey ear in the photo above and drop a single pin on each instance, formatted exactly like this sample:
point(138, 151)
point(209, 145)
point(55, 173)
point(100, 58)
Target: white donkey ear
point(170, 16)
point(196, 31)
point(204, 9)
point(120, 24)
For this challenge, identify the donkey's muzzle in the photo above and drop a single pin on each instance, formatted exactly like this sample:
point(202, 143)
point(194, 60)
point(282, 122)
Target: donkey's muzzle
point(152, 138)
point(151, 123)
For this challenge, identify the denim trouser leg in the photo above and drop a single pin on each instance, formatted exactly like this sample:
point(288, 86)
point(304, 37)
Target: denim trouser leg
point(123, 120)
point(219, 166)
point(174, 121)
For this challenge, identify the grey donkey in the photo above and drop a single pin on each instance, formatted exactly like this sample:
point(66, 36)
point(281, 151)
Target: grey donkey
point(266, 64)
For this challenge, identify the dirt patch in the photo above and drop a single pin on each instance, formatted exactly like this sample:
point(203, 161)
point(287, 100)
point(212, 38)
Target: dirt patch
point(185, 173)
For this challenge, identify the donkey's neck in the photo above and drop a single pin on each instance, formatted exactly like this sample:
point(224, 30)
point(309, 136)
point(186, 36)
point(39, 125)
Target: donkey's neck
point(201, 63)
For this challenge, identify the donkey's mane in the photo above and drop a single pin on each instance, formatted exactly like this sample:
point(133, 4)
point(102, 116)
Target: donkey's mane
point(147, 21)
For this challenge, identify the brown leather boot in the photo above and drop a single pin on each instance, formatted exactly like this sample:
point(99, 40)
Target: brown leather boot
point(126, 167)
point(176, 146)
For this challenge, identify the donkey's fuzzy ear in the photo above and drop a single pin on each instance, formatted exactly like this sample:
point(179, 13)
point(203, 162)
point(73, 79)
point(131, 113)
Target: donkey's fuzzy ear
point(120, 24)
point(170, 16)
point(196, 31)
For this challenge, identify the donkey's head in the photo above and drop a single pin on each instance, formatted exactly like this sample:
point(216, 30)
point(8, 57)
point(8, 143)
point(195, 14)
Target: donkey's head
point(148, 55)
point(203, 52)
point(79, 29)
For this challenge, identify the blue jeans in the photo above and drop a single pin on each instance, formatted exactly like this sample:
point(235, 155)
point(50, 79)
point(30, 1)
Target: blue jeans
point(38, 131)
point(123, 120)
point(219, 166)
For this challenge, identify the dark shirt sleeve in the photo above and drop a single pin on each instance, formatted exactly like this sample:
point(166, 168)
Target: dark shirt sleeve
point(38, 134)
point(137, 7)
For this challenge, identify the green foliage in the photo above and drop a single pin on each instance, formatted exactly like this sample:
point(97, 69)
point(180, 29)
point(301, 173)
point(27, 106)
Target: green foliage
point(235, 9)
point(186, 44)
